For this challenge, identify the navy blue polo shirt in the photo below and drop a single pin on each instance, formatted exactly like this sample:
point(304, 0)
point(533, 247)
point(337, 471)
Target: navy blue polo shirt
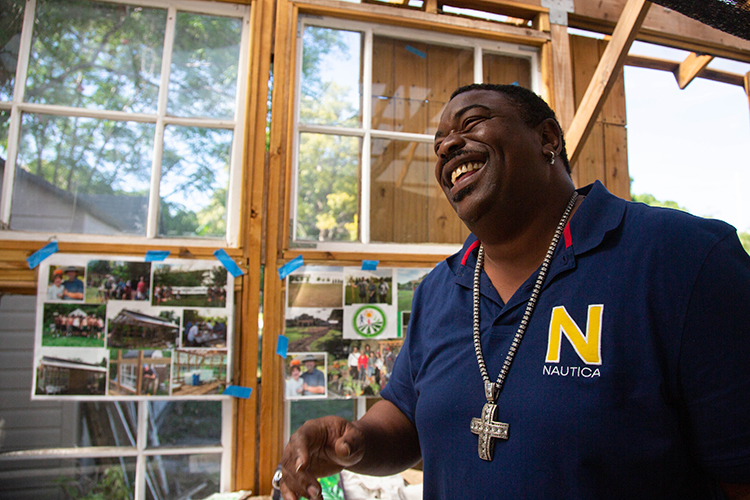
point(633, 378)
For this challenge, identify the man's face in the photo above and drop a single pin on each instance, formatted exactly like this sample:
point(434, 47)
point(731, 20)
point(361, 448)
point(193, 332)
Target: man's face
point(486, 155)
point(71, 275)
point(310, 365)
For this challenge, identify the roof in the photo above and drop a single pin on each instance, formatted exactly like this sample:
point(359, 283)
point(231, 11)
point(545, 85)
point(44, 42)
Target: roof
point(128, 317)
point(71, 364)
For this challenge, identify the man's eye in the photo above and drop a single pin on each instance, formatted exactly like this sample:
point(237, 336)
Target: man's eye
point(471, 121)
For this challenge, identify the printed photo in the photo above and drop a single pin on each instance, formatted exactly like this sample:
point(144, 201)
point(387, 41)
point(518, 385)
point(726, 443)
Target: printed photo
point(139, 372)
point(132, 327)
point(117, 280)
point(193, 284)
point(71, 372)
point(65, 283)
point(313, 329)
point(315, 286)
point(201, 328)
point(368, 287)
point(306, 375)
point(361, 368)
point(407, 281)
point(73, 325)
point(198, 372)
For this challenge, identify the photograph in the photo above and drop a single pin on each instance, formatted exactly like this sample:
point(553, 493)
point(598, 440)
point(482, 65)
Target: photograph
point(313, 329)
point(361, 368)
point(194, 284)
point(315, 286)
point(131, 327)
point(305, 375)
point(407, 280)
point(368, 287)
point(73, 325)
point(139, 372)
point(201, 328)
point(65, 283)
point(71, 372)
point(199, 372)
point(117, 280)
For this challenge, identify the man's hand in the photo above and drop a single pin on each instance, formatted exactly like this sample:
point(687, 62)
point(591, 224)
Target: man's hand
point(320, 448)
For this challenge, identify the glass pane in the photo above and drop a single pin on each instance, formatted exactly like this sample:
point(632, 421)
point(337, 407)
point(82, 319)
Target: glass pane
point(406, 204)
point(331, 77)
point(55, 479)
point(184, 423)
point(503, 70)
point(4, 123)
point(107, 424)
point(82, 175)
point(328, 188)
point(178, 477)
point(96, 55)
point(301, 411)
point(194, 181)
point(11, 22)
point(203, 77)
point(412, 81)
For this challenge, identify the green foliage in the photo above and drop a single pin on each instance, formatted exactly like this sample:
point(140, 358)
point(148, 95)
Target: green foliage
point(650, 200)
point(745, 240)
point(110, 485)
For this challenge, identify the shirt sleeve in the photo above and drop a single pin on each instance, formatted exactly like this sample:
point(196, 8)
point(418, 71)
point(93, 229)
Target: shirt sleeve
point(715, 362)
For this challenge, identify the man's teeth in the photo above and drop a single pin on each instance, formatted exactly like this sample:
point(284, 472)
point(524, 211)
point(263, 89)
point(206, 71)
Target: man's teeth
point(468, 167)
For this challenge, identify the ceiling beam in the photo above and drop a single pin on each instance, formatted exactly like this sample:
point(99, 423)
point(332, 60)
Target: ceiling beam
point(604, 77)
point(691, 67)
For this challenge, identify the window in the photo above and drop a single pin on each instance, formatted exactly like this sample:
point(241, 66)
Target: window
point(123, 118)
point(369, 101)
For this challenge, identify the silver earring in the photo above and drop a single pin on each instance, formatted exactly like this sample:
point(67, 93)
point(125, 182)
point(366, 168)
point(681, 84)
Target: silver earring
point(551, 157)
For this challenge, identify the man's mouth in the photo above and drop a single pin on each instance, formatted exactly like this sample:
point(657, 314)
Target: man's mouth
point(464, 169)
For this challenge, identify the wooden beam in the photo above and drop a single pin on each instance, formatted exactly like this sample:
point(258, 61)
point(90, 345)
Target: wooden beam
point(691, 67)
point(562, 73)
point(672, 66)
point(604, 78)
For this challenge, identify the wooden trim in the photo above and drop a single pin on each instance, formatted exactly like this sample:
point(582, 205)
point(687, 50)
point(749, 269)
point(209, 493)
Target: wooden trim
point(518, 10)
point(562, 71)
point(356, 258)
point(672, 67)
point(690, 68)
point(604, 77)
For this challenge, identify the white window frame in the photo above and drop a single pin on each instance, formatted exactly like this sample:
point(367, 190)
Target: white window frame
point(367, 133)
point(17, 107)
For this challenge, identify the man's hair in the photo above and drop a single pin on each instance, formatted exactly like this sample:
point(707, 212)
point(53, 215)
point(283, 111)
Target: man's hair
point(532, 108)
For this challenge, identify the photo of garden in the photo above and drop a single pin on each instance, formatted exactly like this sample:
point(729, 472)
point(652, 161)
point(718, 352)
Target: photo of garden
point(317, 286)
point(142, 328)
point(117, 280)
point(190, 285)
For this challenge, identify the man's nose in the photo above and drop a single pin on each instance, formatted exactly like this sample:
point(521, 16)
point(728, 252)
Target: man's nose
point(451, 143)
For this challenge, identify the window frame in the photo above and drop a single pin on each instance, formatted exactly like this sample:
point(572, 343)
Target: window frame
point(367, 134)
point(160, 119)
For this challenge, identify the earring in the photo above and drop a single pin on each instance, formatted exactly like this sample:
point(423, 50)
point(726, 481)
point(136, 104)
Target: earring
point(551, 157)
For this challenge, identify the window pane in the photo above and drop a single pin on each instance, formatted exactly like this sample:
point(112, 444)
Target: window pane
point(194, 181)
point(331, 77)
point(328, 188)
point(53, 479)
point(406, 204)
point(412, 81)
point(107, 424)
point(503, 70)
point(300, 411)
point(11, 21)
point(176, 477)
point(96, 55)
point(184, 423)
point(4, 122)
point(82, 175)
point(203, 77)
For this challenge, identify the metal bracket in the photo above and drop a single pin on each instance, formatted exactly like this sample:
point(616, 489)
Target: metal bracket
point(558, 10)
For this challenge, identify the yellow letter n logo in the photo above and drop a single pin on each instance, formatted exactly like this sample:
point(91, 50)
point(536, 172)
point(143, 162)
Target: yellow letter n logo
point(587, 347)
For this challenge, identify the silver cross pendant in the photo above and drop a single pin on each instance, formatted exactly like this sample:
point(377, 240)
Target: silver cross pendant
point(488, 428)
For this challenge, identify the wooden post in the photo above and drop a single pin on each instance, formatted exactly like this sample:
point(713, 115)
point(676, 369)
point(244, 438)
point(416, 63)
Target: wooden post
point(690, 68)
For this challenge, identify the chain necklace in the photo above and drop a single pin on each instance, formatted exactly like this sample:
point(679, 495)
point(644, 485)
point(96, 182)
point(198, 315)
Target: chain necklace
point(487, 427)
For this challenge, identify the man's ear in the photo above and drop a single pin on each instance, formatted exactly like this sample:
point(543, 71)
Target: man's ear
point(551, 136)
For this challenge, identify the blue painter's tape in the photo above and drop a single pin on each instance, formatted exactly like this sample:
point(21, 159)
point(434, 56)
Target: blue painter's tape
point(157, 255)
point(416, 51)
point(290, 266)
point(227, 261)
point(515, 83)
point(37, 257)
point(281, 346)
point(238, 391)
point(370, 265)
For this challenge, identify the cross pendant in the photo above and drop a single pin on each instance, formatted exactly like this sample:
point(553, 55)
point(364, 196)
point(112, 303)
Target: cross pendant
point(488, 429)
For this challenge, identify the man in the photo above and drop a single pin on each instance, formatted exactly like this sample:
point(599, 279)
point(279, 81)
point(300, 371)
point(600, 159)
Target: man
point(353, 362)
point(610, 356)
point(73, 287)
point(314, 379)
point(141, 290)
point(362, 287)
point(192, 334)
point(383, 289)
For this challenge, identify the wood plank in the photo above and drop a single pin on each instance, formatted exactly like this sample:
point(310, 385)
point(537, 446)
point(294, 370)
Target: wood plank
point(590, 164)
point(691, 67)
point(613, 110)
point(562, 72)
point(356, 258)
point(617, 176)
point(604, 77)
point(522, 10)
point(672, 66)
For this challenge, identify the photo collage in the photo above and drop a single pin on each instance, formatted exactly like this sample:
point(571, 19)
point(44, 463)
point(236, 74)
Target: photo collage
point(115, 327)
point(345, 327)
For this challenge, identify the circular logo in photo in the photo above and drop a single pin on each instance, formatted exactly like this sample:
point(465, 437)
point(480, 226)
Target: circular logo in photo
point(369, 321)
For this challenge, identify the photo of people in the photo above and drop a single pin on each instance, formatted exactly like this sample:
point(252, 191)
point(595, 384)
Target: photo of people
point(315, 286)
point(145, 327)
point(193, 284)
point(202, 329)
point(139, 372)
point(65, 283)
point(199, 372)
point(71, 372)
point(361, 368)
point(117, 280)
point(306, 375)
point(368, 287)
point(313, 329)
point(73, 325)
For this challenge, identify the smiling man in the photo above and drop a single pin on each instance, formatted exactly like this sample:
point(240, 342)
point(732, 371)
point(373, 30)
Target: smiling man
point(578, 346)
